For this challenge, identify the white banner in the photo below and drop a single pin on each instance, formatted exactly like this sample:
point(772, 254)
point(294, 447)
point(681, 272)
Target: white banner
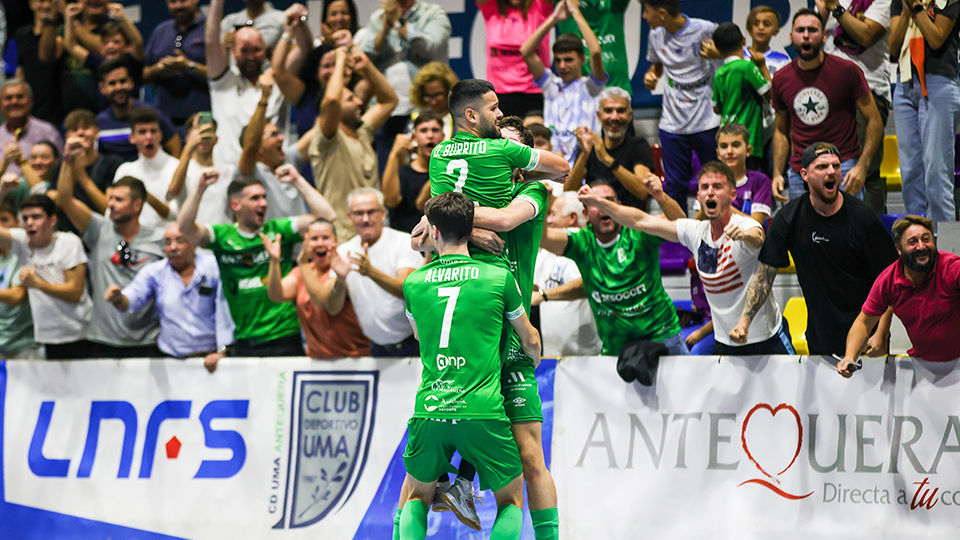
point(160, 448)
point(775, 447)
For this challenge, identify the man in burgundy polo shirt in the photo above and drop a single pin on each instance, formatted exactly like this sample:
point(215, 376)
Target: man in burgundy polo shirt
point(923, 288)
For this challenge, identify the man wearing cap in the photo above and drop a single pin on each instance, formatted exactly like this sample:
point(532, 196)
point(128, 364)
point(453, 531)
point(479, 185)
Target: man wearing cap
point(839, 246)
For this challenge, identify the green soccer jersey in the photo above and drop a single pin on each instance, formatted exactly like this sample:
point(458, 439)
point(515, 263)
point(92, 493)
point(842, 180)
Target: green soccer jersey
point(605, 18)
point(623, 285)
point(459, 306)
point(523, 241)
point(481, 169)
point(738, 88)
point(244, 266)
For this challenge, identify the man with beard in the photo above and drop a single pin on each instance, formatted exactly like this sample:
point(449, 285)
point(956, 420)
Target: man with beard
point(263, 328)
point(116, 85)
point(341, 151)
point(176, 62)
point(839, 245)
point(724, 247)
point(235, 89)
point(119, 249)
point(816, 98)
point(616, 158)
point(922, 288)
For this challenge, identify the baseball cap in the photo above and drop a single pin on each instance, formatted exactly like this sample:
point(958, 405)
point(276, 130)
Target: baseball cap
point(816, 150)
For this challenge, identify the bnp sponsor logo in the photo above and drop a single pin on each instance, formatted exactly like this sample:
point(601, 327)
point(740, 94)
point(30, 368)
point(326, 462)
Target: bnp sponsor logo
point(896, 459)
point(331, 426)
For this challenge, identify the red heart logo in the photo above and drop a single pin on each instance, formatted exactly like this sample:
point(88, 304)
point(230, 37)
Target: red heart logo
point(773, 412)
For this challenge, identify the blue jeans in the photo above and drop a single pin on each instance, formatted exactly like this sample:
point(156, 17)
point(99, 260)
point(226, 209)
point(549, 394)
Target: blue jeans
point(798, 187)
point(926, 127)
point(677, 345)
point(677, 157)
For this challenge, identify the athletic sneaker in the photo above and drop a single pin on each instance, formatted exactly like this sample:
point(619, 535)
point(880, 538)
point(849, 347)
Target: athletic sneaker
point(438, 504)
point(461, 499)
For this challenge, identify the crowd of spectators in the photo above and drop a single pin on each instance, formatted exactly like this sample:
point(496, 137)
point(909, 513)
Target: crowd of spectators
point(233, 184)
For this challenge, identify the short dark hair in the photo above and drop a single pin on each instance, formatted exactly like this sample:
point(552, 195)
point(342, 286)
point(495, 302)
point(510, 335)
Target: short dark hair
point(728, 38)
point(735, 129)
point(717, 167)
point(806, 11)
point(143, 115)
point(191, 118)
point(427, 116)
point(597, 182)
point(568, 43)
point(515, 122)
point(540, 130)
point(80, 118)
point(901, 225)
point(137, 190)
point(465, 94)
point(114, 28)
point(9, 206)
point(112, 65)
point(452, 214)
point(672, 6)
point(237, 186)
point(51, 146)
point(39, 200)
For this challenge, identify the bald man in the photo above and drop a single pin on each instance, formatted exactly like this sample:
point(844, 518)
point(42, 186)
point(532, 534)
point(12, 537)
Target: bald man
point(235, 89)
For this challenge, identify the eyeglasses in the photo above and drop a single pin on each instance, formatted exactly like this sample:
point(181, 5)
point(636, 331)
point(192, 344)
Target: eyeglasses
point(123, 254)
point(362, 213)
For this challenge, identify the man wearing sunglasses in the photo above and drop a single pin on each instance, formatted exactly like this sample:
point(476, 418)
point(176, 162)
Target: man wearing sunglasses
point(119, 249)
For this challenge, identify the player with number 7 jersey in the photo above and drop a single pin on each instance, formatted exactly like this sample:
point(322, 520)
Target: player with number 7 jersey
point(459, 306)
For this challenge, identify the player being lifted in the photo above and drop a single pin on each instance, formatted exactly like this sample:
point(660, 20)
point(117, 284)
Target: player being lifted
point(480, 164)
point(456, 306)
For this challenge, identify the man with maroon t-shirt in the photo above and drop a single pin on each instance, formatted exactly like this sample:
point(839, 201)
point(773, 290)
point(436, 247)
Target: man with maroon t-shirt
point(816, 97)
point(923, 288)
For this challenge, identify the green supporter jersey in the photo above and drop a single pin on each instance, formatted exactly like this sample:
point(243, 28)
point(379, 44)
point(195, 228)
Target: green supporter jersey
point(623, 285)
point(605, 18)
point(738, 88)
point(244, 266)
point(459, 306)
point(481, 169)
point(521, 248)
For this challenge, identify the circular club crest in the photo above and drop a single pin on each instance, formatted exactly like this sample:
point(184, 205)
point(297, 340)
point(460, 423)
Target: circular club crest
point(811, 106)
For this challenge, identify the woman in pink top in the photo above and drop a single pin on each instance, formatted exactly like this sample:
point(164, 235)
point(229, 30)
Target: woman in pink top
point(509, 23)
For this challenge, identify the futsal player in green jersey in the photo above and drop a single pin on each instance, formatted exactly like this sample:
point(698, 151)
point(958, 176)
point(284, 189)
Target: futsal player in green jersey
point(520, 224)
point(456, 306)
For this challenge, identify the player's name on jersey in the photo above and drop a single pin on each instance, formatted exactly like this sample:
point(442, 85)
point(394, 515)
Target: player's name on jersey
point(452, 274)
point(461, 148)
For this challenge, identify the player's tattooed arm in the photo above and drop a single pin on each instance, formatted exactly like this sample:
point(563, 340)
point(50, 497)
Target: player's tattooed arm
point(757, 293)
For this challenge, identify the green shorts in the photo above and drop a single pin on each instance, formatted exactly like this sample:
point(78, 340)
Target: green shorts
point(518, 384)
point(487, 444)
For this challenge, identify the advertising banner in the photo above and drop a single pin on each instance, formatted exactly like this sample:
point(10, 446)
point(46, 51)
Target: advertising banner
point(769, 447)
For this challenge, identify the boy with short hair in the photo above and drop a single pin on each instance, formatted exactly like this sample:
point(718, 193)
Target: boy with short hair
point(16, 322)
point(688, 123)
point(541, 136)
point(754, 191)
point(763, 23)
point(740, 90)
point(569, 100)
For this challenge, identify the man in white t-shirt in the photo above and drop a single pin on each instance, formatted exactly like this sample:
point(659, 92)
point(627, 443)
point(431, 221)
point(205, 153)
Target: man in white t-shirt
point(859, 35)
point(54, 274)
point(197, 156)
point(687, 123)
point(264, 152)
point(381, 259)
point(154, 167)
point(725, 249)
point(235, 89)
point(567, 327)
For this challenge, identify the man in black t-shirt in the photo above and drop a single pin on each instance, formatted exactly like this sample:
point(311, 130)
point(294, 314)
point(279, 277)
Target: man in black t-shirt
point(617, 158)
point(839, 246)
point(403, 184)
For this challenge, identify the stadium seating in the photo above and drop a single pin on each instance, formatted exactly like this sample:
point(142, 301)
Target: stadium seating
point(890, 167)
point(796, 314)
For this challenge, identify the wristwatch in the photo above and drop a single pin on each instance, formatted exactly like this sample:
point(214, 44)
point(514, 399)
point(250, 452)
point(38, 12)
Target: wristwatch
point(838, 12)
point(917, 8)
point(223, 349)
